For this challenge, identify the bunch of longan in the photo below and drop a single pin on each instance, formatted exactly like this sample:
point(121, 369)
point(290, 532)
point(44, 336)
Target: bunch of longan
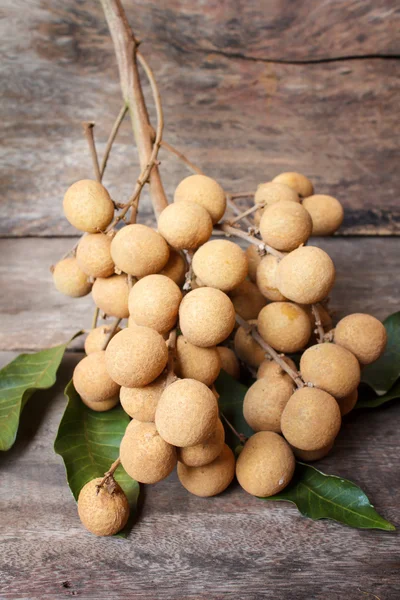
point(177, 280)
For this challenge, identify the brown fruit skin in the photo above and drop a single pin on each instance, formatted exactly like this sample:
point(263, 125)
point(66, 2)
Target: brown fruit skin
point(363, 335)
point(97, 338)
point(326, 213)
point(229, 362)
point(185, 225)
point(102, 512)
point(273, 192)
point(94, 256)
point(306, 275)
point(111, 295)
point(331, 368)
point(139, 250)
point(211, 479)
point(265, 465)
point(103, 405)
point(69, 278)
point(203, 454)
point(264, 403)
point(206, 317)
point(347, 403)
point(140, 403)
point(154, 302)
point(220, 264)
point(144, 455)
point(284, 326)
point(247, 300)
point(175, 268)
point(91, 379)
point(247, 349)
point(193, 362)
point(204, 191)
point(312, 455)
point(253, 259)
point(136, 356)
point(298, 182)
point(270, 370)
point(285, 225)
point(88, 206)
point(187, 413)
point(311, 419)
point(266, 278)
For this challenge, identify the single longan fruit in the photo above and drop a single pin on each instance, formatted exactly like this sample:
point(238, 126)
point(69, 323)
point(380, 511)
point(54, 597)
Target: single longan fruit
point(140, 403)
point(220, 264)
point(229, 362)
point(246, 347)
point(247, 300)
point(204, 191)
point(270, 370)
point(194, 362)
point(206, 317)
point(175, 268)
point(326, 213)
point(211, 479)
point(136, 356)
point(331, 368)
point(154, 302)
point(273, 192)
point(186, 413)
point(91, 379)
point(185, 225)
point(145, 456)
point(363, 335)
point(266, 278)
point(139, 250)
point(285, 225)
point(203, 454)
point(264, 403)
point(311, 419)
point(111, 295)
point(97, 338)
point(94, 256)
point(347, 403)
point(103, 405)
point(312, 455)
point(253, 260)
point(298, 182)
point(88, 206)
point(69, 278)
point(284, 326)
point(265, 465)
point(103, 512)
point(306, 275)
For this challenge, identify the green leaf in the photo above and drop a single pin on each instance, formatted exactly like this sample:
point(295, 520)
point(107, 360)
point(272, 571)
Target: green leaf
point(231, 395)
point(371, 400)
point(320, 496)
point(382, 374)
point(89, 441)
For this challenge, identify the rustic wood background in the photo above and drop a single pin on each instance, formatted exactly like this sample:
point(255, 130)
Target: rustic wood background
point(249, 89)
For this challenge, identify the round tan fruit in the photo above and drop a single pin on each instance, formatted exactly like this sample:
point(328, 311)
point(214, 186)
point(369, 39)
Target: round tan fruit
point(111, 295)
point(312, 455)
point(264, 403)
point(209, 480)
point(265, 465)
point(326, 213)
point(271, 370)
point(140, 403)
point(103, 512)
point(175, 268)
point(220, 264)
point(203, 454)
point(88, 206)
point(94, 256)
point(298, 182)
point(185, 225)
point(247, 349)
point(229, 362)
point(247, 300)
point(194, 362)
point(187, 413)
point(103, 405)
point(273, 192)
point(154, 302)
point(285, 225)
point(69, 278)
point(347, 403)
point(253, 259)
point(284, 326)
point(204, 191)
point(311, 419)
point(266, 278)
point(363, 335)
point(97, 338)
point(91, 379)
point(139, 250)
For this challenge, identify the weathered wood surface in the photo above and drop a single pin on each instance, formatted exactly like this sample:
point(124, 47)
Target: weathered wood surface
point(232, 546)
point(242, 116)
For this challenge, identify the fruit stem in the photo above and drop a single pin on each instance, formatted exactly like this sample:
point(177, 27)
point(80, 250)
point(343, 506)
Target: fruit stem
point(319, 329)
point(88, 130)
point(111, 333)
point(109, 473)
point(171, 344)
point(242, 215)
point(242, 438)
point(181, 157)
point(95, 317)
point(262, 248)
point(111, 138)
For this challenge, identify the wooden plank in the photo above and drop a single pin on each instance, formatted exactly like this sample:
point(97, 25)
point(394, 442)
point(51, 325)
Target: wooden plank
point(233, 546)
point(34, 315)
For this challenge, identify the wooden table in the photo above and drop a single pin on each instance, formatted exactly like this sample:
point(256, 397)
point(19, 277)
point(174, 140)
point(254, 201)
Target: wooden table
point(249, 89)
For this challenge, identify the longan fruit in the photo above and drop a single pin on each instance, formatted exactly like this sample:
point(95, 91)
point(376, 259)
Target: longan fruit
point(203, 454)
point(91, 379)
point(331, 368)
point(273, 192)
point(145, 456)
point(298, 182)
point(103, 512)
point(186, 413)
point(88, 206)
point(139, 250)
point(326, 213)
point(103, 405)
point(253, 260)
point(111, 295)
point(284, 326)
point(204, 191)
point(363, 335)
point(175, 268)
point(211, 479)
point(285, 225)
point(265, 465)
point(194, 362)
point(94, 256)
point(206, 317)
point(69, 278)
point(311, 419)
point(136, 356)
point(154, 302)
point(246, 347)
point(185, 225)
point(306, 275)
point(220, 264)
point(347, 403)
point(140, 403)
point(264, 403)
point(229, 362)
point(266, 278)
point(312, 455)
point(247, 300)
point(97, 337)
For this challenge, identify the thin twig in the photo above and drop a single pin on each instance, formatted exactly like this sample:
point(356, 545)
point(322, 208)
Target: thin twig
point(319, 329)
point(262, 248)
point(111, 138)
point(88, 129)
point(182, 157)
point(109, 473)
point(236, 210)
point(171, 377)
point(113, 329)
point(243, 215)
point(95, 317)
point(237, 195)
point(242, 438)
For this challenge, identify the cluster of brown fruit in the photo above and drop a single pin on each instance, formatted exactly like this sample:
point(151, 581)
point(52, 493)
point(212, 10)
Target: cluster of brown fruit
point(177, 277)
